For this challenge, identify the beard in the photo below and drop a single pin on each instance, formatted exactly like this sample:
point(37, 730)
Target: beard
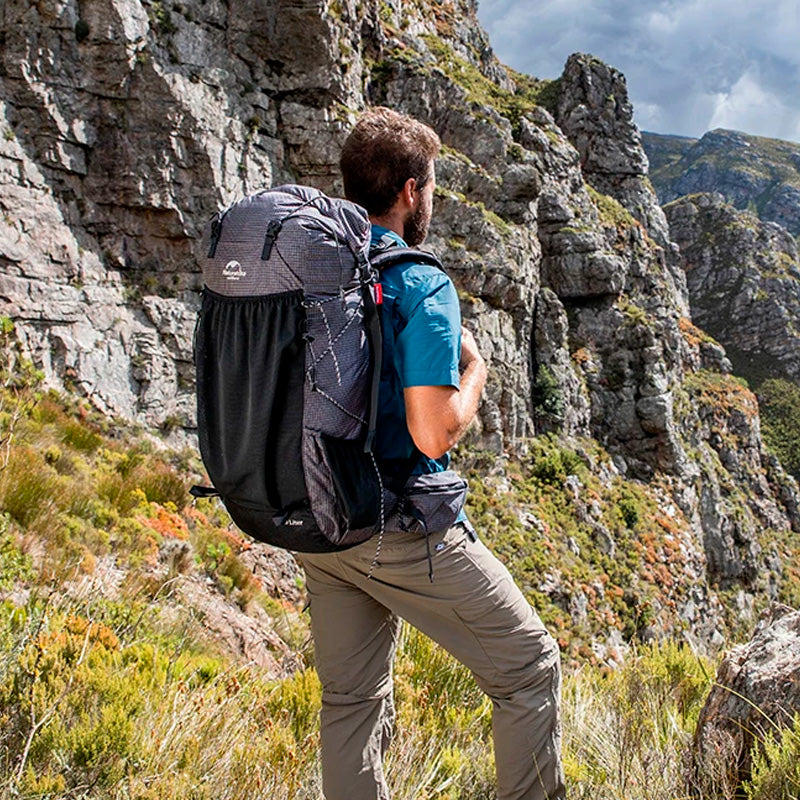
point(415, 228)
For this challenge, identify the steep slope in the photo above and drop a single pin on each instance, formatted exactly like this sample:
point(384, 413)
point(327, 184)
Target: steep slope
point(752, 172)
point(128, 122)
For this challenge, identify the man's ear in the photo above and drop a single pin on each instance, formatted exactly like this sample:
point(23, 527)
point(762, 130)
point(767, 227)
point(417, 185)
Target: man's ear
point(407, 194)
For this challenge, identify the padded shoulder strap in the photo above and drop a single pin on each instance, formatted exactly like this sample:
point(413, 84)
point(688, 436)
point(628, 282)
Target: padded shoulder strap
point(381, 259)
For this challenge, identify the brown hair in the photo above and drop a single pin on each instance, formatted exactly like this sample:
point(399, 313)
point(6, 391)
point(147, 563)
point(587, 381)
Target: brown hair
point(381, 153)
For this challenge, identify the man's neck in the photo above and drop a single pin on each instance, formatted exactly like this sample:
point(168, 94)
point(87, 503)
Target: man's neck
point(393, 222)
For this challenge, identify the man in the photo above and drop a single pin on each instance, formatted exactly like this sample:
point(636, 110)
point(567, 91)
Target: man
point(431, 384)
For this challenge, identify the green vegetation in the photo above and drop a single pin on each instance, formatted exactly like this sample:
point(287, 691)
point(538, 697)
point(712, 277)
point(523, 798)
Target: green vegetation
point(627, 731)
point(547, 398)
point(693, 335)
point(496, 221)
point(721, 393)
point(161, 18)
point(634, 315)
point(779, 402)
point(612, 212)
point(122, 694)
point(512, 105)
point(568, 535)
point(95, 706)
point(776, 766)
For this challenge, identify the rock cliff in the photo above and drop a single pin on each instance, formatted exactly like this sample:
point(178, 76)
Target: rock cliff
point(126, 123)
point(743, 277)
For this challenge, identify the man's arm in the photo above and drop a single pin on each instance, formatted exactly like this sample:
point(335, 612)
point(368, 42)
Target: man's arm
point(437, 416)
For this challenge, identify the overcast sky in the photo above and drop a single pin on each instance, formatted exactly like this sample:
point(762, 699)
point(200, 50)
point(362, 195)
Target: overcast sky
point(691, 65)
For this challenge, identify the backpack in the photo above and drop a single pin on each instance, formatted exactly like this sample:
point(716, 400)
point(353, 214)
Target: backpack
point(287, 352)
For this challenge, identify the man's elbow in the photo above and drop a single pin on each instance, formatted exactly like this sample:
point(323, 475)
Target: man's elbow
point(435, 444)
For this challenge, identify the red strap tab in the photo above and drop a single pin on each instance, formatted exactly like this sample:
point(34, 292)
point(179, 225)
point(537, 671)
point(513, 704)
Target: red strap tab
point(378, 294)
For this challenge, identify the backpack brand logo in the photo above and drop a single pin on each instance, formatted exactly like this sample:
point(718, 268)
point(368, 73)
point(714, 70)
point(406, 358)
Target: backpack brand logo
point(293, 522)
point(233, 271)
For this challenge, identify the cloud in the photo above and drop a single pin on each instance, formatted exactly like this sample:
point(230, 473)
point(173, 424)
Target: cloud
point(749, 104)
point(689, 63)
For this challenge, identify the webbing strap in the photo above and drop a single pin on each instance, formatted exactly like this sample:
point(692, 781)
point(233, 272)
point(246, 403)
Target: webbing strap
point(372, 319)
point(378, 260)
point(383, 256)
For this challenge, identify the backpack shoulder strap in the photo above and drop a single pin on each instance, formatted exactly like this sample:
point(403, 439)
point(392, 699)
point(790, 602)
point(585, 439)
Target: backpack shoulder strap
point(383, 258)
point(385, 255)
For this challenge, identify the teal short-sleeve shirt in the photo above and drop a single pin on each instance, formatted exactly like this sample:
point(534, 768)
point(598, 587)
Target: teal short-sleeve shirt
point(421, 323)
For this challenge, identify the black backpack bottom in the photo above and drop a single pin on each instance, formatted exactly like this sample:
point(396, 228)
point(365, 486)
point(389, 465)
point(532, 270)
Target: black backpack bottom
point(299, 533)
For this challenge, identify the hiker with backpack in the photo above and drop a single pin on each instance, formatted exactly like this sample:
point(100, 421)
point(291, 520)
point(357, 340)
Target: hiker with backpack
point(430, 387)
point(333, 376)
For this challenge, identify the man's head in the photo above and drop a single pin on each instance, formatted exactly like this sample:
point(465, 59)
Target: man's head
point(388, 159)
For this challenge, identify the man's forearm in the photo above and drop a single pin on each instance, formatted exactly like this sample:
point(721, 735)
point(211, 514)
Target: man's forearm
point(468, 398)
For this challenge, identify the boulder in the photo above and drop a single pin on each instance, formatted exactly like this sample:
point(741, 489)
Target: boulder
point(757, 691)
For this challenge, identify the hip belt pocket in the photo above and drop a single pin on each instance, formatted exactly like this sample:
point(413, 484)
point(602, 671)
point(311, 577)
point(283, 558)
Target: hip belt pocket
point(432, 502)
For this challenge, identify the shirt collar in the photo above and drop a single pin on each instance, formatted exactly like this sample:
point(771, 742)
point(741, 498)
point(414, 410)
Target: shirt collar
point(381, 234)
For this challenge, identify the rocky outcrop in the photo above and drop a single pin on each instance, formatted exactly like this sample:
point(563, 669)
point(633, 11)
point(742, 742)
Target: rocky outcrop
point(756, 692)
point(752, 172)
point(125, 125)
point(595, 113)
point(663, 380)
point(743, 277)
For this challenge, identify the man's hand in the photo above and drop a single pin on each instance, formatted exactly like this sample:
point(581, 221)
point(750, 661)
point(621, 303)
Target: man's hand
point(437, 416)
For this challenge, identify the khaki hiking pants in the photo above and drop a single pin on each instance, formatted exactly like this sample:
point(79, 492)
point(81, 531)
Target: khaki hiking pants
point(472, 608)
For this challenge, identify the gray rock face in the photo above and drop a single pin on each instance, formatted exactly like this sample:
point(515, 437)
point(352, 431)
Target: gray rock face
point(123, 130)
point(595, 113)
point(757, 690)
point(654, 384)
point(126, 124)
point(743, 277)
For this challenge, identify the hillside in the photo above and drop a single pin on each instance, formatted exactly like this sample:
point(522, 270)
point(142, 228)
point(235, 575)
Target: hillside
point(545, 219)
point(752, 172)
point(743, 277)
point(147, 650)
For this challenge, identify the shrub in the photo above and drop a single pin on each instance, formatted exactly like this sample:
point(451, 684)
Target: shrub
point(775, 773)
point(14, 565)
point(551, 463)
point(547, 397)
point(81, 436)
point(162, 484)
point(30, 487)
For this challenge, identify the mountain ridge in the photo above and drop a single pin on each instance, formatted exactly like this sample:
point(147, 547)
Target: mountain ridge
point(752, 172)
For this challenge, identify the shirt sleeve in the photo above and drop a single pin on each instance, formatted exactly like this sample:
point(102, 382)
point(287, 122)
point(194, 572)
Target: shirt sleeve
point(428, 348)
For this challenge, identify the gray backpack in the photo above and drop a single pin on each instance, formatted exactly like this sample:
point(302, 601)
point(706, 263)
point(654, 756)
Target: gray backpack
point(288, 359)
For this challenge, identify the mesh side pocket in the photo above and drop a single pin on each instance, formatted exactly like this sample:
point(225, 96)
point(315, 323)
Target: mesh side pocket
point(355, 481)
point(249, 355)
point(343, 488)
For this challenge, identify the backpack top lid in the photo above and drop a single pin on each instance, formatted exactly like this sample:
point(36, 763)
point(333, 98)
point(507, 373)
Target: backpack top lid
point(284, 239)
